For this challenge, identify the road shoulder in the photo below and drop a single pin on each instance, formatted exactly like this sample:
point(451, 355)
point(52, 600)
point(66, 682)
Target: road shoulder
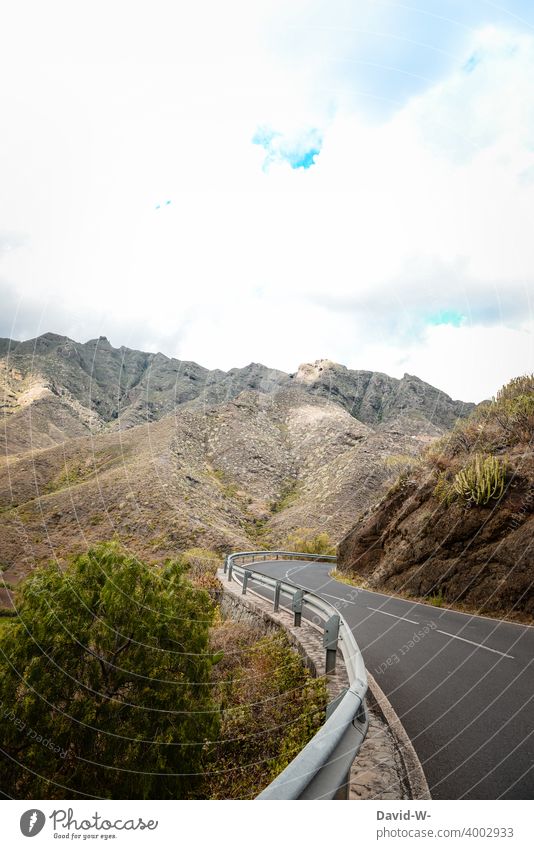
point(387, 766)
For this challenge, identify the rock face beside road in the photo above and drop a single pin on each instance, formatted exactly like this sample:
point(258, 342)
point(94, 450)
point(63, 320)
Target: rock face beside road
point(422, 539)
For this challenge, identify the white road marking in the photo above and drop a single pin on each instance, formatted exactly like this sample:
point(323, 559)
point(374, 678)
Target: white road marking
point(403, 618)
point(479, 645)
point(319, 591)
point(344, 600)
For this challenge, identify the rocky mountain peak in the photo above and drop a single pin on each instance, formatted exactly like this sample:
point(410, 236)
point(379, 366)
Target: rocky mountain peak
point(101, 340)
point(312, 372)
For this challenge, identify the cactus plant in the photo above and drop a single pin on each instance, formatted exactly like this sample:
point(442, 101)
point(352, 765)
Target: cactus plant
point(480, 481)
point(444, 489)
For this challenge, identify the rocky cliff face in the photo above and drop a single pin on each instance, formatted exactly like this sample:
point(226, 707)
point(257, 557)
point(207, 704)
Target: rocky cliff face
point(430, 536)
point(373, 397)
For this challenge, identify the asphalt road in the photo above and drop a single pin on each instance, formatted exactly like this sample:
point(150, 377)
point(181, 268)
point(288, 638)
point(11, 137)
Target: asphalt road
point(462, 685)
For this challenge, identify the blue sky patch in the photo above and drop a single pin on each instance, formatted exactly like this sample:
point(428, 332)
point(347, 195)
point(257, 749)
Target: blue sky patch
point(299, 150)
point(452, 317)
point(474, 60)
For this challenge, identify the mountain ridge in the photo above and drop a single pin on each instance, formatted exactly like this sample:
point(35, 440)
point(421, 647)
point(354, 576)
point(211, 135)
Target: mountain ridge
point(162, 454)
point(122, 387)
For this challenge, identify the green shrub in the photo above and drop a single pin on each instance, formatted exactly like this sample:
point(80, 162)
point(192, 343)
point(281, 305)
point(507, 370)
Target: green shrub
point(480, 481)
point(109, 663)
point(436, 600)
point(270, 706)
point(202, 565)
point(515, 416)
point(515, 388)
point(308, 541)
point(444, 490)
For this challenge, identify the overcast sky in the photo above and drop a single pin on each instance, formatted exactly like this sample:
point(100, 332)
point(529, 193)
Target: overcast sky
point(274, 181)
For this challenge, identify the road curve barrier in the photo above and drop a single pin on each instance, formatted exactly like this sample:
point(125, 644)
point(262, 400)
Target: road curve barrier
point(321, 770)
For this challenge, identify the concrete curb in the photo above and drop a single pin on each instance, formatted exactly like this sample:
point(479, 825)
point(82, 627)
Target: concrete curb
point(415, 775)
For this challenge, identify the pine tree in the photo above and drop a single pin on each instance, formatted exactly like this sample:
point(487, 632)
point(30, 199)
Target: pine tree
point(105, 688)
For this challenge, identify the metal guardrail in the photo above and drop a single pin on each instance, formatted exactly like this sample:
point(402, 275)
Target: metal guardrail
point(321, 770)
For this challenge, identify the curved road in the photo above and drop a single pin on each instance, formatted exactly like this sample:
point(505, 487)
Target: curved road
point(462, 685)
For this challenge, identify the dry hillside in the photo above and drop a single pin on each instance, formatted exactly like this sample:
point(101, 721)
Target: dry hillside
point(164, 455)
point(459, 527)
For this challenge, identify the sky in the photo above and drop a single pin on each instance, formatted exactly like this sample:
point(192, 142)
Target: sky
point(274, 182)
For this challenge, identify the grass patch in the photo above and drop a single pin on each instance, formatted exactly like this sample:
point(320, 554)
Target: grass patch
point(401, 462)
point(288, 495)
point(436, 600)
point(96, 519)
point(228, 488)
point(75, 472)
point(350, 580)
point(308, 541)
point(7, 617)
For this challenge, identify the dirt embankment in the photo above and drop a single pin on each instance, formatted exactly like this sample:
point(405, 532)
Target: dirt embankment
point(459, 528)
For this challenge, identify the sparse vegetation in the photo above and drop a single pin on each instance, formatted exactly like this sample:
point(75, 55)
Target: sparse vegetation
point(257, 530)
point(271, 707)
point(353, 580)
point(436, 600)
point(518, 387)
point(404, 544)
point(228, 488)
point(202, 565)
point(405, 462)
point(308, 541)
point(400, 483)
point(77, 471)
point(287, 497)
point(466, 435)
point(504, 422)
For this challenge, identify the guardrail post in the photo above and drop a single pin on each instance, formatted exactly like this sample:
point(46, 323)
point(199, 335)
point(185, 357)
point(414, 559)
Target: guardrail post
point(225, 567)
point(296, 606)
point(277, 589)
point(230, 568)
point(330, 638)
point(246, 576)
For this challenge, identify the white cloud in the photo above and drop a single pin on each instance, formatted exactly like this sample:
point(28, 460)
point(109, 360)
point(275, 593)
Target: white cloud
point(397, 222)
